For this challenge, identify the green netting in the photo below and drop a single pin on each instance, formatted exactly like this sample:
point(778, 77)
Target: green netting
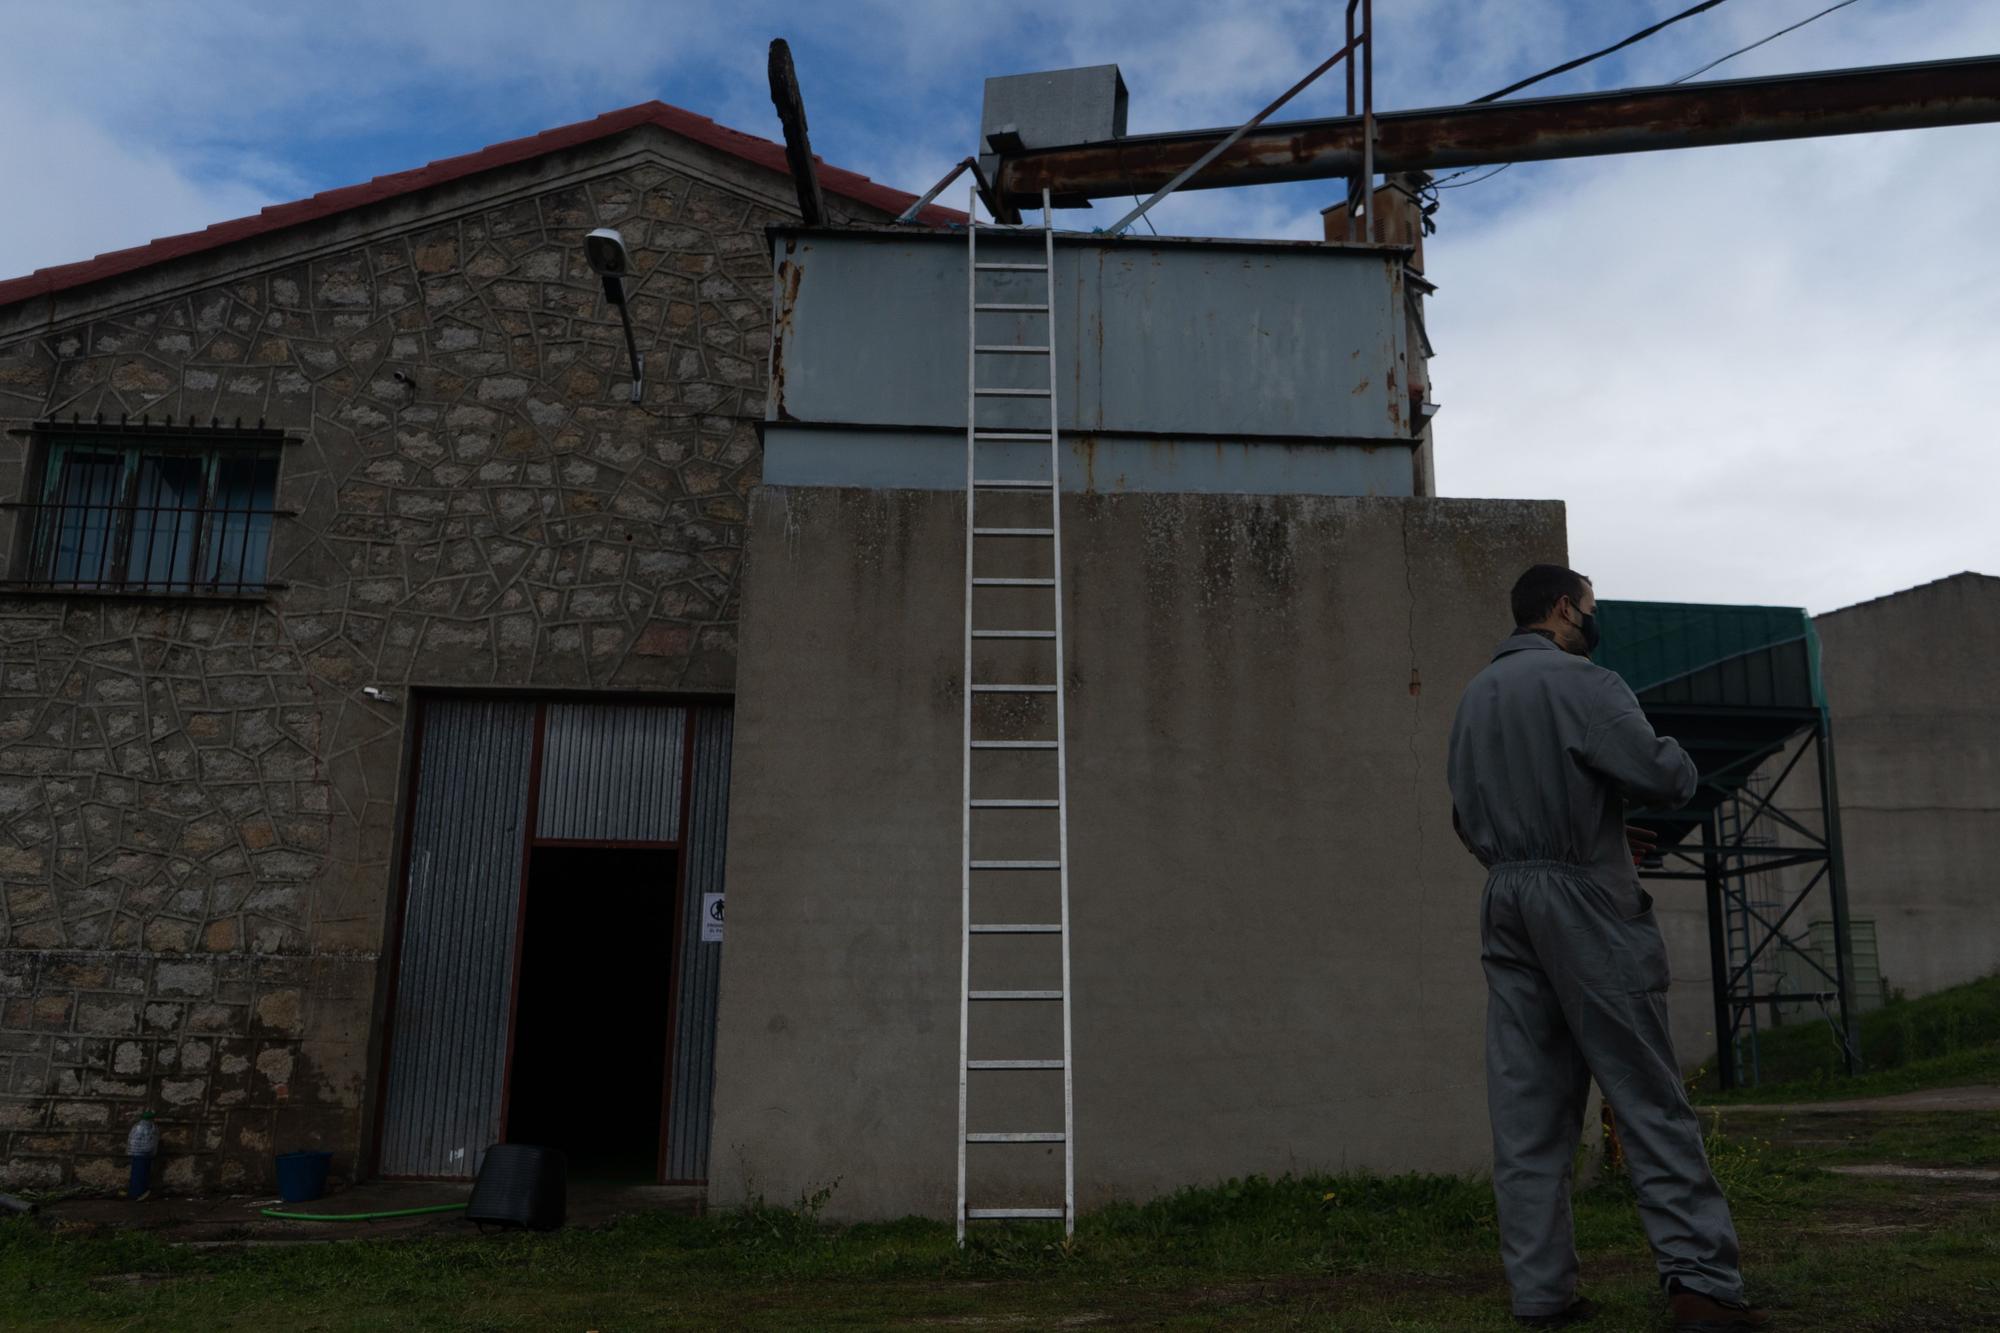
point(1651, 643)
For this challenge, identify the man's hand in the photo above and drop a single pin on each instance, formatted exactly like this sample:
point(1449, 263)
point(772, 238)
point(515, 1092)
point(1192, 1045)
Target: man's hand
point(1643, 842)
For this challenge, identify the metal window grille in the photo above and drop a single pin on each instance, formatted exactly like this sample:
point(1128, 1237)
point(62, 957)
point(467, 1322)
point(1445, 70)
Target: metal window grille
point(187, 516)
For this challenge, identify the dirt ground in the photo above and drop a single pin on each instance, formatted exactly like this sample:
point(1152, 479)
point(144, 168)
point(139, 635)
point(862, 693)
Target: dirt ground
point(1928, 1099)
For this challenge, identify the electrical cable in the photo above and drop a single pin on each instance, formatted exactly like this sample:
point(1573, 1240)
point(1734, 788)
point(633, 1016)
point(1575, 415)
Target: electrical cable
point(1147, 220)
point(1760, 41)
point(1445, 185)
point(1569, 65)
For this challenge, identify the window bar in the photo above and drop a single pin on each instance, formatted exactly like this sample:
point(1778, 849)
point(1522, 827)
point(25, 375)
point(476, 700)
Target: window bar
point(190, 519)
point(202, 527)
point(109, 511)
point(243, 553)
point(152, 532)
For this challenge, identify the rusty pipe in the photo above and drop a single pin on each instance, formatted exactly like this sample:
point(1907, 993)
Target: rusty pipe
point(1628, 120)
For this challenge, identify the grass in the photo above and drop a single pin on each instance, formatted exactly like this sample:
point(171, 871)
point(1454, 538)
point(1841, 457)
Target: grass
point(1949, 1039)
point(1350, 1252)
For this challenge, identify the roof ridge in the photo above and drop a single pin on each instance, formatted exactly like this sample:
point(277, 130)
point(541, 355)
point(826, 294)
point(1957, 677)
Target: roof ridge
point(1915, 587)
point(692, 125)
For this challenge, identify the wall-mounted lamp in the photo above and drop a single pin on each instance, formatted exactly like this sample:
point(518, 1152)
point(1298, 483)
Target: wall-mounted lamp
point(605, 249)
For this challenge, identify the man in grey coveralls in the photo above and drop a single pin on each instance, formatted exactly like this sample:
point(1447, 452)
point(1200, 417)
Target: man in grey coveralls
point(1545, 751)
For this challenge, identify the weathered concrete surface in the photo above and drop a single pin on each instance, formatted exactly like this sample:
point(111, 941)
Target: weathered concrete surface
point(1275, 931)
point(1916, 733)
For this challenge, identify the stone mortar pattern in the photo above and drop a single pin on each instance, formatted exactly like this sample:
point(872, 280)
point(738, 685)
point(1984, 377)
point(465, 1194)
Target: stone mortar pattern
point(197, 803)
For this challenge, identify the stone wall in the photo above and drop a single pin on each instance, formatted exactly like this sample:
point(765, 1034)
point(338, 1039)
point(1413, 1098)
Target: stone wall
point(198, 806)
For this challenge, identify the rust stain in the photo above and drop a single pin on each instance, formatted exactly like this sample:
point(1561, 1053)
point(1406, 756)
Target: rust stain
point(1360, 388)
point(1624, 120)
point(790, 275)
point(1416, 683)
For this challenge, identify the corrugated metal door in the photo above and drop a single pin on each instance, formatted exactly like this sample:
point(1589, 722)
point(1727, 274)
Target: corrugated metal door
point(448, 1051)
point(692, 1079)
point(611, 772)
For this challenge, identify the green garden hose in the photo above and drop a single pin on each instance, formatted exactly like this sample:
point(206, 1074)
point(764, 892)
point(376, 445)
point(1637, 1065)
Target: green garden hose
point(362, 1217)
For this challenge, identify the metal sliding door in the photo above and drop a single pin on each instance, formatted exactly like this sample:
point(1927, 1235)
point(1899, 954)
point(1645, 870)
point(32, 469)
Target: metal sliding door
point(693, 1071)
point(491, 785)
point(448, 1050)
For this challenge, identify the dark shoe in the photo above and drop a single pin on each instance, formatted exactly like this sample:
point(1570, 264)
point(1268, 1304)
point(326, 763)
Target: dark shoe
point(1578, 1311)
point(1697, 1313)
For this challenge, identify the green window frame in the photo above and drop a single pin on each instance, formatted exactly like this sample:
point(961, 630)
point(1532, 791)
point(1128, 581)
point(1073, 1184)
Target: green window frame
point(190, 516)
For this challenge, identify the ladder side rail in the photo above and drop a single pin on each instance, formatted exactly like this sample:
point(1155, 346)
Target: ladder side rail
point(1062, 721)
point(965, 682)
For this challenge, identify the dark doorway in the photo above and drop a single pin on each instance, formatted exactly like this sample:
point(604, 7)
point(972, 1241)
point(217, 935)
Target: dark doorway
point(590, 1022)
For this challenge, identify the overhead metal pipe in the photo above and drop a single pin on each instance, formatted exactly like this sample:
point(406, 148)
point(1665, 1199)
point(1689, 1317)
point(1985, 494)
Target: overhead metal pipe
point(1628, 120)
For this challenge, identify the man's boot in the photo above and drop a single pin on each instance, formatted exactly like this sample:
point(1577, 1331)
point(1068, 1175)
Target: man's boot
point(1576, 1312)
point(1696, 1313)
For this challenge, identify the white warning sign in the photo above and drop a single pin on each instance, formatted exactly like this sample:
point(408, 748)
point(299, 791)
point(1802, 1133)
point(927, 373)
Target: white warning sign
point(711, 918)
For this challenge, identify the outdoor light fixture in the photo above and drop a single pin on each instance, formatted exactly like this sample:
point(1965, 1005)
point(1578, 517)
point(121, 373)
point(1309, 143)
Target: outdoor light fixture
point(605, 249)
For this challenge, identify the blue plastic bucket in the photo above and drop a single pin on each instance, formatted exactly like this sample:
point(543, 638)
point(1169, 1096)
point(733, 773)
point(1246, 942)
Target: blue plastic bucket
point(302, 1175)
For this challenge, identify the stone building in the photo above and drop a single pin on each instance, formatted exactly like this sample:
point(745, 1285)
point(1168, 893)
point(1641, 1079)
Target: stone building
point(378, 710)
point(268, 488)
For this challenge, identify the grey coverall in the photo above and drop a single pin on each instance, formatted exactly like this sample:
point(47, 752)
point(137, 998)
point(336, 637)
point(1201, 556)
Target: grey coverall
point(1544, 751)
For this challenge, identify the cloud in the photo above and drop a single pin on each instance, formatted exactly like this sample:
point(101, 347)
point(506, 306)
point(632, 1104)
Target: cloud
point(1755, 373)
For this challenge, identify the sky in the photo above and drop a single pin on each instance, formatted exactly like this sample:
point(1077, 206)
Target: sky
point(1767, 373)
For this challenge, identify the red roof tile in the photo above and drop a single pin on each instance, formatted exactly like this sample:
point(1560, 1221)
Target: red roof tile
point(702, 130)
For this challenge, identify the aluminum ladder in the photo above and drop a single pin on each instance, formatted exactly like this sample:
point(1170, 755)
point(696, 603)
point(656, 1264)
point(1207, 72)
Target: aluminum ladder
point(1012, 518)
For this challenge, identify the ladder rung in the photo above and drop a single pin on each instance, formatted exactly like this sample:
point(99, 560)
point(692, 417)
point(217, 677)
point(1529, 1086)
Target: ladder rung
point(977, 1214)
point(1013, 532)
point(1013, 689)
point(1013, 995)
point(1007, 305)
point(1013, 583)
point(1016, 268)
point(1013, 1064)
point(1004, 484)
point(1010, 349)
point(1013, 745)
point(1015, 865)
point(1008, 928)
point(1013, 634)
point(1028, 1136)
point(1011, 393)
point(1009, 803)
point(1010, 434)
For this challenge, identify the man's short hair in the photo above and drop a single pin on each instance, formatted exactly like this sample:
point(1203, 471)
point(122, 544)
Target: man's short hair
point(1537, 592)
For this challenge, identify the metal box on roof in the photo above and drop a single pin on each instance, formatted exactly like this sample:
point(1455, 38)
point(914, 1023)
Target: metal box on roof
point(1181, 365)
point(1057, 106)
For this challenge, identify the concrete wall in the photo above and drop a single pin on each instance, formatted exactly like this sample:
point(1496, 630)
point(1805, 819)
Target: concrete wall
point(198, 806)
point(1275, 931)
point(1916, 731)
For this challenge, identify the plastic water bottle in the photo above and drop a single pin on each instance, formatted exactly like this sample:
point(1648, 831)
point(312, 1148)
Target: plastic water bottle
point(142, 1144)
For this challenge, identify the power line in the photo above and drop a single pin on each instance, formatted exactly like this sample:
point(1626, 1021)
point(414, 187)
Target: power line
point(1567, 66)
point(1445, 183)
point(1760, 41)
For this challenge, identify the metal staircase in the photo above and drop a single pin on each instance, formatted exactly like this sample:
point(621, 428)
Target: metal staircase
point(1013, 684)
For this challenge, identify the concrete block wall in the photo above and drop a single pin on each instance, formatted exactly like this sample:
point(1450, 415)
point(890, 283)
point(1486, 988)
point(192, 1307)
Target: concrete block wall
point(1275, 931)
point(198, 806)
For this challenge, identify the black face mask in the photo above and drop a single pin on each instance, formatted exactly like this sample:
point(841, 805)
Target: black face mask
point(1587, 627)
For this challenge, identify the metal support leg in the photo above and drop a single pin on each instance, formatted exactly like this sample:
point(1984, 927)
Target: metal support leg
point(1843, 943)
point(1718, 959)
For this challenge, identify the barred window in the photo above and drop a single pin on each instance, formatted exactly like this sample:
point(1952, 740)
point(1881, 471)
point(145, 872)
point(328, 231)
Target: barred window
point(185, 515)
